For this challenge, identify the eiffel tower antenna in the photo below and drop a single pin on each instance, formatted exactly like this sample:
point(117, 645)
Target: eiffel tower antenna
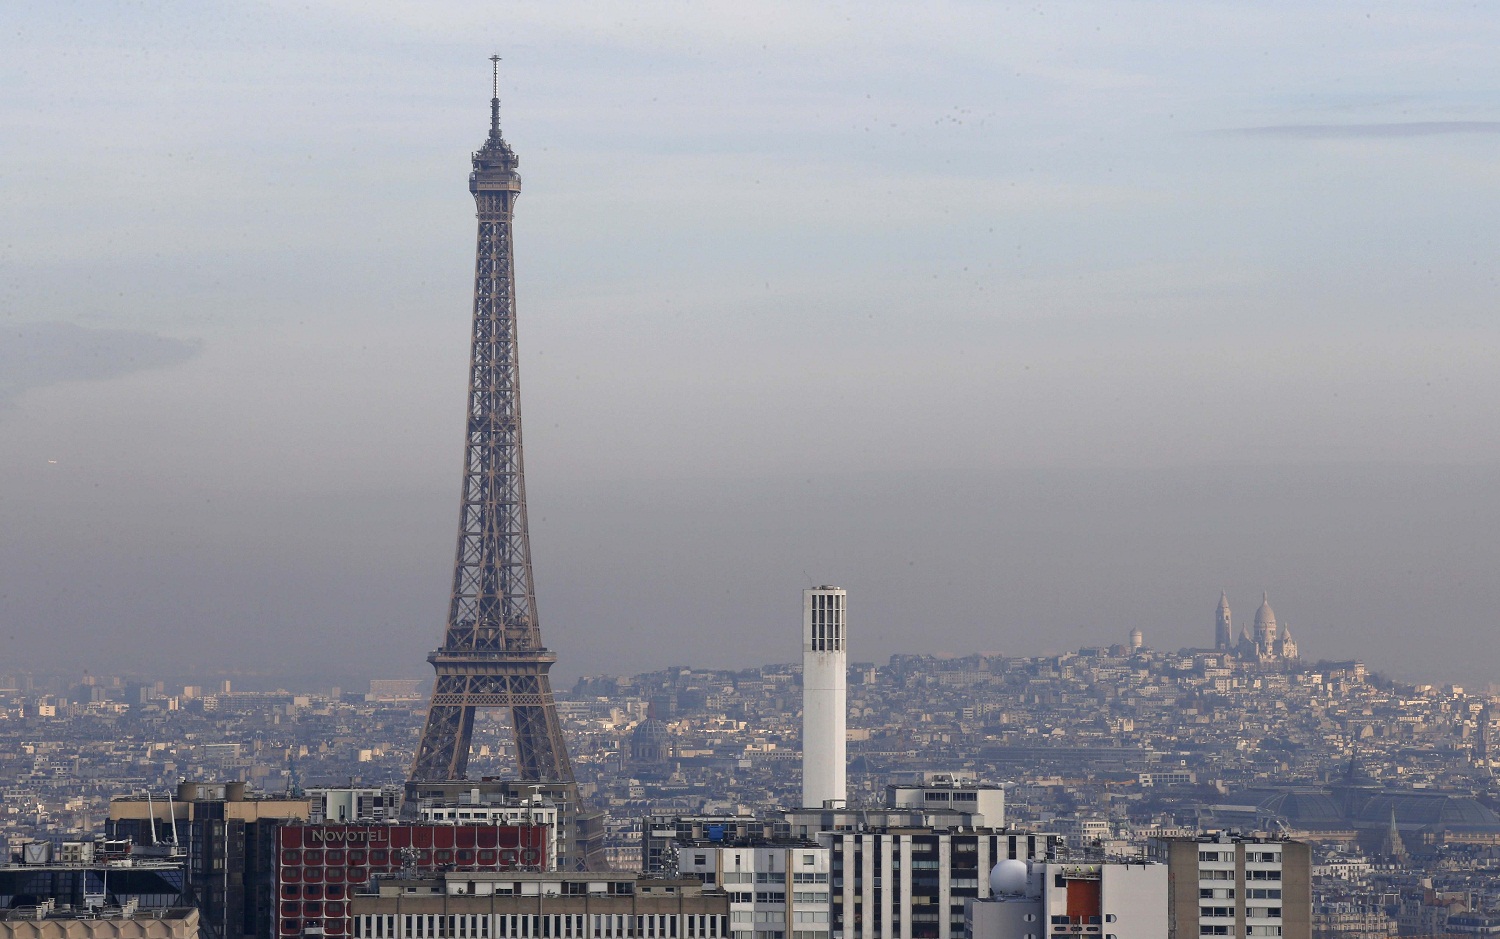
point(495, 96)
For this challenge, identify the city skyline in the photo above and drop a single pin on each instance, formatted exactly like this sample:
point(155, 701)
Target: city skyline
point(1062, 322)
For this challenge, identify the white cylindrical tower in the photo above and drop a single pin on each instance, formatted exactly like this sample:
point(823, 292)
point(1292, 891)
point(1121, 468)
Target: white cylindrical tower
point(824, 693)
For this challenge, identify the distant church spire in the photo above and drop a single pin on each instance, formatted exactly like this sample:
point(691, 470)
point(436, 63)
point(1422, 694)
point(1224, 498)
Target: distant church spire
point(1482, 742)
point(1352, 769)
point(1223, 624)
point(1392, 846)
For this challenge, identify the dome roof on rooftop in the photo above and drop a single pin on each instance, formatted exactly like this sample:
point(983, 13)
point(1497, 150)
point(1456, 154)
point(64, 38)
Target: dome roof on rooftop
point(1265, 615)
point(651, 729)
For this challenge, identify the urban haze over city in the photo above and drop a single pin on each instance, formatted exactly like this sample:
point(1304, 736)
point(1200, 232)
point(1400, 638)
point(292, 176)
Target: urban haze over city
point(1130, 369)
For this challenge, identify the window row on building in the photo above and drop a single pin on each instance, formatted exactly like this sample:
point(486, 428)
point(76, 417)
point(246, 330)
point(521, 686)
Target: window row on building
point(540, 926)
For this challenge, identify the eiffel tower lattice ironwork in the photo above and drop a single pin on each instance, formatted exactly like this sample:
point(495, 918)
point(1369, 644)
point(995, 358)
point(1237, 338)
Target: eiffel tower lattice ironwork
point(492, 654)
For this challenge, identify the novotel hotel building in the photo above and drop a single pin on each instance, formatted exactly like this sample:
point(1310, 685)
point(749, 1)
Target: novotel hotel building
point(318, 867)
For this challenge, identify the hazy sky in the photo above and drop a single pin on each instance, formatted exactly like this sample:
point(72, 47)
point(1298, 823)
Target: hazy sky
point(1027, 323)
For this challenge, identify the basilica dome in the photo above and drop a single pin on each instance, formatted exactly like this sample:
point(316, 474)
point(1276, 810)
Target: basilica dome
point(1265, 616)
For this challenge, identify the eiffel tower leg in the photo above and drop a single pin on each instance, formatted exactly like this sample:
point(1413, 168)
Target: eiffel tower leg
point(444, 750)
point(540, 749)
point(537, 754)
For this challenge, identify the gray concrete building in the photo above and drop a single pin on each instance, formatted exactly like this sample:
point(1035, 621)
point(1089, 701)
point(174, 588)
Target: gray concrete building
point(913, 883)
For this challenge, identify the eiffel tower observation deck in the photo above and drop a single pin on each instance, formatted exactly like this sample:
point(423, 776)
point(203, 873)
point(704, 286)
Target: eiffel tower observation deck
point(492, 654)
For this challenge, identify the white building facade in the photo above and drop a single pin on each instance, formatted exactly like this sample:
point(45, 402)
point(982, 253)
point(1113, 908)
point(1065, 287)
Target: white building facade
point(509, 813)
point(958, 792)
point(333, 804)
point(1042, 901)
point(776, 890)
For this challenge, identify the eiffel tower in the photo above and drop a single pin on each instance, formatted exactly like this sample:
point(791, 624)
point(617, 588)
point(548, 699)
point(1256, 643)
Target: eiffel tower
point(492, 654)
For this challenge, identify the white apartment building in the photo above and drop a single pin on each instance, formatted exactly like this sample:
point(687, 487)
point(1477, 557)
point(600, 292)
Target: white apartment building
point(1108, 900)
point(337, 804)
point(502, 813)
point(776, 890)
point(959, 792)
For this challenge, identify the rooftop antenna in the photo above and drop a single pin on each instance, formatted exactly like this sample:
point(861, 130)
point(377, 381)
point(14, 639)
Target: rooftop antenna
point(151, 810)
point(172, 811)
point(495, 96)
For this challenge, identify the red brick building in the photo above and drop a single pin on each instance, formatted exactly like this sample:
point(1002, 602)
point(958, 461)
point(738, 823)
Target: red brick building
point(319, 866)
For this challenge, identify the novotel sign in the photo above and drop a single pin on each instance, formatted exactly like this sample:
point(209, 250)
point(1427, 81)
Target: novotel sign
point(379, 845)
point(348, 836)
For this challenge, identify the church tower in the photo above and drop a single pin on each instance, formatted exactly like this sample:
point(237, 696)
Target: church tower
point(1223, 628)
point(1482, 743)
point(1391, 845)
point(1288, 644)
point(1246, 648)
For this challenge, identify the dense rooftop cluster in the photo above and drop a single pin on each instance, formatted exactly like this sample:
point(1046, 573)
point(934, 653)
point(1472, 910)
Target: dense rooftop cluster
point(1103, 745)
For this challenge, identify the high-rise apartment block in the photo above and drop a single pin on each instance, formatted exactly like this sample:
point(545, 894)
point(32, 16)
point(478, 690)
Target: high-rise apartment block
point(825, 663)
point(228, 839)
point(903, 870)
point(777, 889)
point(1233, 885)
point(912, 883)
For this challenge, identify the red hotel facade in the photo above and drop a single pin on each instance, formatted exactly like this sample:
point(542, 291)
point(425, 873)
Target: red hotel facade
point(318, 867)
